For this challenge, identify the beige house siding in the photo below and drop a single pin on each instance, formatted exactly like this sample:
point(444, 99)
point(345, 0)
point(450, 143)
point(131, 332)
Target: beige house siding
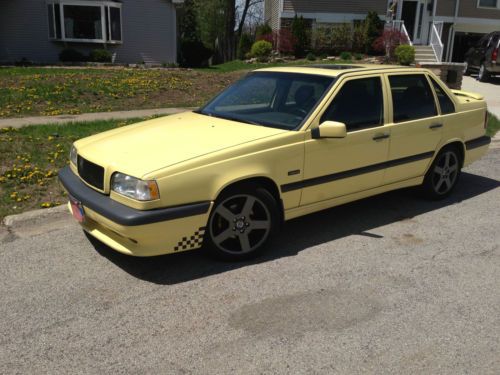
point(335, 6)
point(446, 8)
point(468, 8)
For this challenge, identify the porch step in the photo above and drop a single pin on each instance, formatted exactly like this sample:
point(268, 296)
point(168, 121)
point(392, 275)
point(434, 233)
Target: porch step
point(424, 53)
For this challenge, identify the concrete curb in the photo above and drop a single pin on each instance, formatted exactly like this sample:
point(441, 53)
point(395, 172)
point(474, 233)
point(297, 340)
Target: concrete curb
point(86, 117)
point(34, 217)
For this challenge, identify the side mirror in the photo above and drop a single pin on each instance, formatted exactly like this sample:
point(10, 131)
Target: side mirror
point(330, 129)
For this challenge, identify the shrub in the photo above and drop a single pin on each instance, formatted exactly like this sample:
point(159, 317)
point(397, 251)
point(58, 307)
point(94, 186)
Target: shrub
point(346, 55)
point(358, 56)
point(71, 55)
point(311, 56)
point(300, 36)
point(261, 30)
point(342, 38)
point(261, 50)
point(100, 55)
point(374, 27)
point(244, 45)
point(388, 42)
point(323, 40)
point(194, 54)
point(405, 54)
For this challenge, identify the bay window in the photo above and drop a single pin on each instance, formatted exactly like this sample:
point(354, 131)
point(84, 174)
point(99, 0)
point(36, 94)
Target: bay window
point(85, 21)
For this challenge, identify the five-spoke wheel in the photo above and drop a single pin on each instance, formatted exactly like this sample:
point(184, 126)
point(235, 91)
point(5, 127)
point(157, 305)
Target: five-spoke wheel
point(241, 222)
point(443, 173)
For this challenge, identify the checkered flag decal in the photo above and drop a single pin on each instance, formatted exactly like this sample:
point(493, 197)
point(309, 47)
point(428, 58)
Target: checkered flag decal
point(190, 242)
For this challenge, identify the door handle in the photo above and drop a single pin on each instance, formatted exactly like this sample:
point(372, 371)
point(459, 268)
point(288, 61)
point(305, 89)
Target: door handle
point(378, 137)
point(436, 126)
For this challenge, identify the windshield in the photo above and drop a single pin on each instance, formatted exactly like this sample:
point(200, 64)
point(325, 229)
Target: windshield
point(274, 99)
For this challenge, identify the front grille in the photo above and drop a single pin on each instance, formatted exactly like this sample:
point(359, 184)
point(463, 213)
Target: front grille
point(91, 173)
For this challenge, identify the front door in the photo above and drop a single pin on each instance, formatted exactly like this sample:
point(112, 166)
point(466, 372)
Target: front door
point(337, 167)
point(409, 16)
point(416, 127)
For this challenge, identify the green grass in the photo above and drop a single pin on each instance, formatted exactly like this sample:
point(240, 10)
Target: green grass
point(30, 158)
point(493, 125)
point(35, 91)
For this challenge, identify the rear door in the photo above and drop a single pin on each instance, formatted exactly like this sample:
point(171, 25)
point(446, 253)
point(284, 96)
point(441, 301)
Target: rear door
point(415, 126)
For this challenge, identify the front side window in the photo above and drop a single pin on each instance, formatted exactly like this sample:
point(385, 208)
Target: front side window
point(445, 102)
point(359, 104)
point(98, 22)
point(412, 97)
point(273, 99)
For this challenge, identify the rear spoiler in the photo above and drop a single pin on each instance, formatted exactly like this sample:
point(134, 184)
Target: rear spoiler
point(468, 94)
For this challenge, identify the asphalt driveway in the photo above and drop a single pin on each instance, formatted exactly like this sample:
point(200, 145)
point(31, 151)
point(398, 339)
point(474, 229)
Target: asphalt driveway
point(490, 90)
point(392, 284)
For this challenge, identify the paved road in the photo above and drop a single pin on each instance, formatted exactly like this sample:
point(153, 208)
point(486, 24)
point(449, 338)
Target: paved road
point(392, 284)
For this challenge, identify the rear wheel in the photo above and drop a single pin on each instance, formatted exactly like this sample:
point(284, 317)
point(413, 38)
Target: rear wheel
point(483, 75)
point(443, 174)
point(241, 223)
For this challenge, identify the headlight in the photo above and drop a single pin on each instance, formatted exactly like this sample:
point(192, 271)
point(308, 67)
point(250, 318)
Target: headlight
point(134, 188)
point(73, 155)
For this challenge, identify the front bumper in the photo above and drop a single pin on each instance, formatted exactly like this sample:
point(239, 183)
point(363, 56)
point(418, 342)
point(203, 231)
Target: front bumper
point(138, 232)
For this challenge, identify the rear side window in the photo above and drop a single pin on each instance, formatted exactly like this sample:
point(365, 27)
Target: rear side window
point(412, 97)
point(359, 104)
point(445, 102)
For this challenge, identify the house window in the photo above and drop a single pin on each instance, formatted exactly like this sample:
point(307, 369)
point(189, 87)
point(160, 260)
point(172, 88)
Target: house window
point(85, 21)
point(488, 4)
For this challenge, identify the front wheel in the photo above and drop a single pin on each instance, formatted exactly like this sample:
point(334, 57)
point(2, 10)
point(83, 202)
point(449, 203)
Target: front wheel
point(241, 223)
point(443, 174)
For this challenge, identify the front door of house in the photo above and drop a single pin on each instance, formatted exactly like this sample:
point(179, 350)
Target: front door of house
point(415, 15)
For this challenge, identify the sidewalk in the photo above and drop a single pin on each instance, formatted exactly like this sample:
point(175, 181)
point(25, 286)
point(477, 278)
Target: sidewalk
point(63, 119)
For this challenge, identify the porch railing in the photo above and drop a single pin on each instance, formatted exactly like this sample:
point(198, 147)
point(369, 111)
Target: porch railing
point(399, 25)
point(435, 40)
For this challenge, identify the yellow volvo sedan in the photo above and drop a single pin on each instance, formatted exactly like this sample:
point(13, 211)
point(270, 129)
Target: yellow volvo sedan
point(278, 144)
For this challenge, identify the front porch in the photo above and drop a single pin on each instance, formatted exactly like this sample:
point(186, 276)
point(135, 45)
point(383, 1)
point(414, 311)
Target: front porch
point(415, 19)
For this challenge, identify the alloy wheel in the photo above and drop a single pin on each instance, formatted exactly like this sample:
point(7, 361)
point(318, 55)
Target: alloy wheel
point(445, 172)
point(240, 224)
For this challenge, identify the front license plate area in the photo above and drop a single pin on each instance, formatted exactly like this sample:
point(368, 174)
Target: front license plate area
point(77, 210)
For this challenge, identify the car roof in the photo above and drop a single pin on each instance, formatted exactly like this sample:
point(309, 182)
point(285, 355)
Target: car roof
point(334, 70)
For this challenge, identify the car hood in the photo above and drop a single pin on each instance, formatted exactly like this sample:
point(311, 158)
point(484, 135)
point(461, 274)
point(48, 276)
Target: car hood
point(151, 145)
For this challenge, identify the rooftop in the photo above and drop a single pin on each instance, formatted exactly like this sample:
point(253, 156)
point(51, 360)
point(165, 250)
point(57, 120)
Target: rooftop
point(332, 69)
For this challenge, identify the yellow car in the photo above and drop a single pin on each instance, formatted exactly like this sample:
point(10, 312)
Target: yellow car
point(278, 144)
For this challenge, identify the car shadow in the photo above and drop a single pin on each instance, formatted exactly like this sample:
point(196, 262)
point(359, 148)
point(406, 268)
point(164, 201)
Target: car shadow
point(357, 218)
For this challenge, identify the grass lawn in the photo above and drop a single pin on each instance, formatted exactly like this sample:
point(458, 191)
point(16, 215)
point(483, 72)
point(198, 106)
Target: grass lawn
point(493, 125)
point(37, 91)
point(30, 159)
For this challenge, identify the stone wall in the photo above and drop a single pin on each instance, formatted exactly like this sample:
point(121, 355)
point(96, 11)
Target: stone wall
point(450, 73)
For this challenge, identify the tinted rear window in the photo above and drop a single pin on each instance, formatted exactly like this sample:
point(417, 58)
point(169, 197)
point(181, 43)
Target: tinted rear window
point(412, 97)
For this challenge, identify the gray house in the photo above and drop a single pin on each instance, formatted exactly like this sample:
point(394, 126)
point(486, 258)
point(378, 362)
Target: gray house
point(444, 28)
point(132, 30)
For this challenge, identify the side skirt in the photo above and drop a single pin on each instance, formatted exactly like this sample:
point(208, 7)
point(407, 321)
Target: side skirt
point(323, 205)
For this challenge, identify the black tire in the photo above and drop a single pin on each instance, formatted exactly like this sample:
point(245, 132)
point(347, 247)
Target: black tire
point(242, 222)
point(483, 75)
point(443, 174)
